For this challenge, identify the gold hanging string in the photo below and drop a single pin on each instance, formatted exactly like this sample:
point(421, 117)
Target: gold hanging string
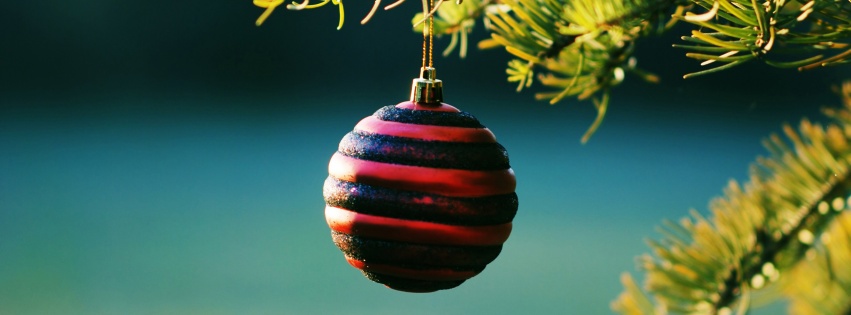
point(430, 13)
point(425, 38)
point(428, 33)
point(431, 35)
point(427, 89)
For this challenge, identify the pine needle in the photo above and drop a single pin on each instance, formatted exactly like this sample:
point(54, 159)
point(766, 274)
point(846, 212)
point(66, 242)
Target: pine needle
point(763, 230)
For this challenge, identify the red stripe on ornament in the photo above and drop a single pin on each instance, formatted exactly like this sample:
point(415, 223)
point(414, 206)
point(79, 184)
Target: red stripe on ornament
point(411, 231)
point(372, 124)
point(442, 181)
point(433, 274)
point(442, 108)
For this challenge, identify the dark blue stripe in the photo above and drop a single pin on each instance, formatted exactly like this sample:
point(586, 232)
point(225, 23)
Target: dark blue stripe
point(412, 205)
point(438, 154)
point(415, 256)
point(427, 117)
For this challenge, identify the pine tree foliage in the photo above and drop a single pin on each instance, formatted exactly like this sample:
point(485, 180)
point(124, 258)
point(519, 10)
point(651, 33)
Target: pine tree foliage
point(759, 233)
point(821, 284)
point(584, 48)
point(782, 33)
point(456, 21)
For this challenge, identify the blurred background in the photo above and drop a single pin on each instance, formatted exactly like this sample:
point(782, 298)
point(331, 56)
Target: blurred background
point(168, 157)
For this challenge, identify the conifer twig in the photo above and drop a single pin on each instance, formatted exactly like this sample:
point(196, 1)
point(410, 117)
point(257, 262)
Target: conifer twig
point(770, 31)
point(544, 35)
point(588, 52)
point(455, 20)
point(821, 284)
point(756, 233)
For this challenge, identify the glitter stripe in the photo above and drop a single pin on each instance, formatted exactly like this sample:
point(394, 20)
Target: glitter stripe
point(412, 205)
point(407, 254)
point(447, 182)
point(434, 274)
point(350, 222)
point(440, 154)
point(423, 115)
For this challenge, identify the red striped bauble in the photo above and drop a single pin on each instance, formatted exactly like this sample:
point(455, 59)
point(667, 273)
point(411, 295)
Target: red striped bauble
point(420, 197)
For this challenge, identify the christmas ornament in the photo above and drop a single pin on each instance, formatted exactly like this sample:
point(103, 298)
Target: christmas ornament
point(420, 196)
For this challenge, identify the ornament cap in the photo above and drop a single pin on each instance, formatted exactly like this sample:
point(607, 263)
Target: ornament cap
point(427, 89)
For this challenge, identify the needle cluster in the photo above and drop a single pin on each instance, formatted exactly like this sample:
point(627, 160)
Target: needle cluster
point(777, 233)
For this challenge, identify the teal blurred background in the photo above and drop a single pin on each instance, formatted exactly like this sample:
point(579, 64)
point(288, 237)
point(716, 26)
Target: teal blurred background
point(167, 158)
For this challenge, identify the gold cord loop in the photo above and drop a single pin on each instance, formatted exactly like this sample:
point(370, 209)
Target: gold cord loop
point(430, 35)
point(427, 89)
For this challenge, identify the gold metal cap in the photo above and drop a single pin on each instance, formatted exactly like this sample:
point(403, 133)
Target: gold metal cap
point(427, 89)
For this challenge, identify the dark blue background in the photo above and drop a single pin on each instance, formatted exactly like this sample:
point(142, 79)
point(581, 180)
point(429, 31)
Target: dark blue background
point(167, 158)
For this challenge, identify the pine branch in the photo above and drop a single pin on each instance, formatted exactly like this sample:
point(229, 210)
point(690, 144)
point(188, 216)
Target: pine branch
point(771, 31)
point(756, 233)
point(821, 284)
point(585, 46)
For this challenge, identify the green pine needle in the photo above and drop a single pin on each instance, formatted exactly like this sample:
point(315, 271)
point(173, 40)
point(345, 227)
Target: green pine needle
point(821, 284)
point(588, 53)
point(766, 29)
point(758, 233)
point(545, 34)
